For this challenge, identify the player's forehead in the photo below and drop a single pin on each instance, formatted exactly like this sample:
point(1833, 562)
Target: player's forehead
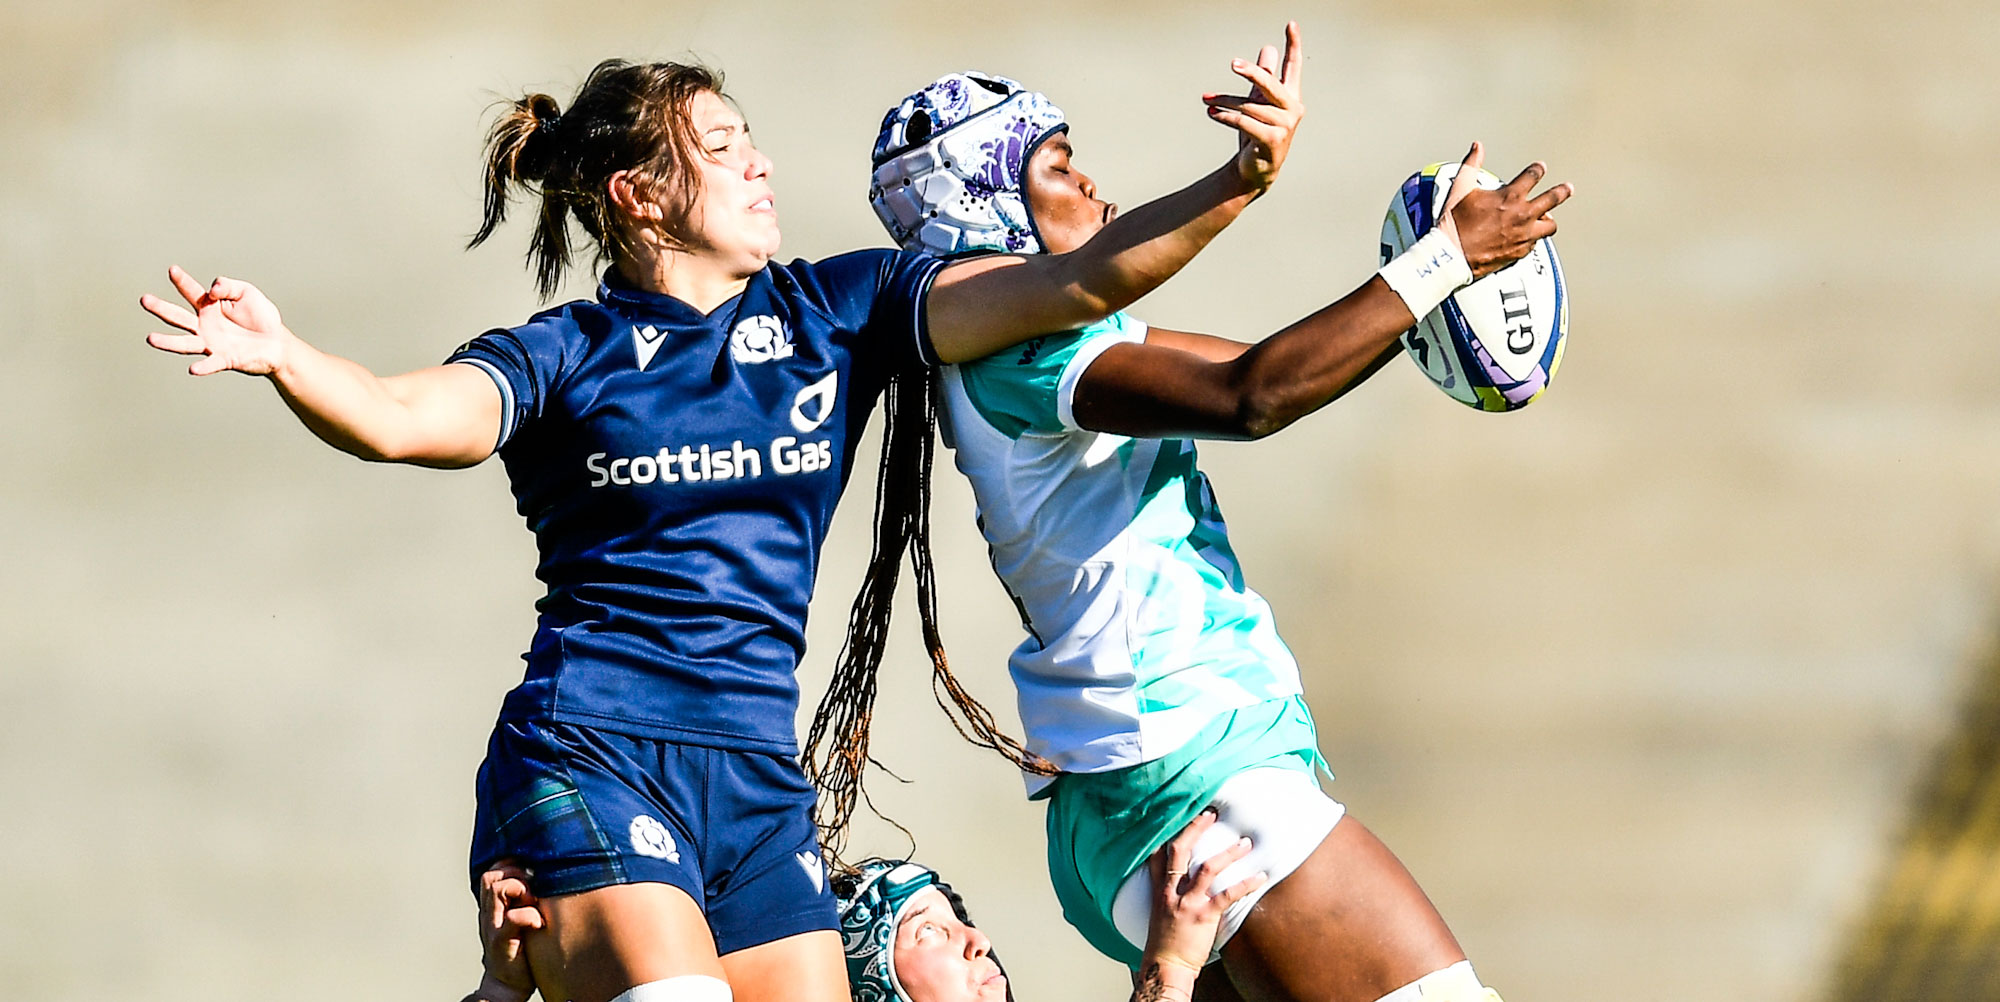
point(711, 114)
point(929, 904)
point(1056, 148)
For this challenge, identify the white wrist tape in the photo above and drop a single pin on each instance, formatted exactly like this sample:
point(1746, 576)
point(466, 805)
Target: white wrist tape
point(1429, 271)
point(686, 988)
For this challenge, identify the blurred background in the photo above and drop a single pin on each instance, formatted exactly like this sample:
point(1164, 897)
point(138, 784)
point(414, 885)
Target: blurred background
point(1677, 685)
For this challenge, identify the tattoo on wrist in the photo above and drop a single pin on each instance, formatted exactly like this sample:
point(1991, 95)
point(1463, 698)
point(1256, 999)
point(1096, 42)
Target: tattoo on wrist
point(1153, 986)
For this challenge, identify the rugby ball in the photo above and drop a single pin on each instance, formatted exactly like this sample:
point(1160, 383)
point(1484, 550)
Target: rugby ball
point(1496, 343)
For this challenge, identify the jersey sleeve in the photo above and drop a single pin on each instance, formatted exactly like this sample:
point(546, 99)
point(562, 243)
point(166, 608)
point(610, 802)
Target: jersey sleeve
point(524, 363)
point(1030, 388)
point(881, 293)
point(898, 313)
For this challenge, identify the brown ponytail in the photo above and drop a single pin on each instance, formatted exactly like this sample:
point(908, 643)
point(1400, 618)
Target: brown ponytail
point(902, 524)
point(625, 117)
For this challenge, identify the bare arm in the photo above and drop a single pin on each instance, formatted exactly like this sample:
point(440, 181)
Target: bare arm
point(443, 416)
point(980, 306)
point(1161, 389)
point(1192, 385)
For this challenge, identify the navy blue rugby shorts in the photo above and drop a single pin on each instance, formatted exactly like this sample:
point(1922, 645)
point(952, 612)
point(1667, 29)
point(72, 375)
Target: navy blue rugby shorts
point(583, 808)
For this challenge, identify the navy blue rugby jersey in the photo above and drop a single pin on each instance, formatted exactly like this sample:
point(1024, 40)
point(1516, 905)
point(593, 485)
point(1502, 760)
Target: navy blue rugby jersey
point(679, 472)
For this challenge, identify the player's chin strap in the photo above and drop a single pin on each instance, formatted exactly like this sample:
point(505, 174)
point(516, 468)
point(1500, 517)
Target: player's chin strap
point(686, 988)
point(1456, 983)
point(1429, 271)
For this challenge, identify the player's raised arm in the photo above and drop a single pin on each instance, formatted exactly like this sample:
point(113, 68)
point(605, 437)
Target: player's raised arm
point(445, 416)
point(1176, 384)
point(985, 304)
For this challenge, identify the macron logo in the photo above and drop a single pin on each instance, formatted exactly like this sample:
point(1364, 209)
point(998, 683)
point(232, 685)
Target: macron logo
point(645, 342)
point(815, 871)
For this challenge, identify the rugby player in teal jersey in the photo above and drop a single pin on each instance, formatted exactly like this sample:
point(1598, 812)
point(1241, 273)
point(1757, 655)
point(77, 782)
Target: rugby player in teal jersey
point(1153, 680)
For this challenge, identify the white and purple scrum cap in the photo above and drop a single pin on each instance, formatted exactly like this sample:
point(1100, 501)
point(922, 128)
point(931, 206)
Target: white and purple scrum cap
point(949, 162)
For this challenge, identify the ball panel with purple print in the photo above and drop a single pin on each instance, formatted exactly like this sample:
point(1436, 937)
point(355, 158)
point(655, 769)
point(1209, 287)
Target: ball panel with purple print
point(1496, 343)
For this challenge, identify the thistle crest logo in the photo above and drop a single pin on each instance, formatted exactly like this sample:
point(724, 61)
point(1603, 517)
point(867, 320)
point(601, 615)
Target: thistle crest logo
point(651, 838)
point(761, 338)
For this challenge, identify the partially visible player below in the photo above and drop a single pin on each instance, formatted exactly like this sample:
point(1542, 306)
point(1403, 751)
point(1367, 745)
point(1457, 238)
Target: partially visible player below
point(908, 937)
point(1153, 677)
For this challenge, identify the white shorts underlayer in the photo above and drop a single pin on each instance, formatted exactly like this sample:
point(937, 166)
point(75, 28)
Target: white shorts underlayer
point(1286, 816)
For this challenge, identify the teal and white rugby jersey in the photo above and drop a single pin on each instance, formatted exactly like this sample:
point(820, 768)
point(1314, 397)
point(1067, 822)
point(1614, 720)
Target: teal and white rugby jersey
point(1140, 628)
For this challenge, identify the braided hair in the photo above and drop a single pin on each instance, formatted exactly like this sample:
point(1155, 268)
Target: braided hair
point(836, 752)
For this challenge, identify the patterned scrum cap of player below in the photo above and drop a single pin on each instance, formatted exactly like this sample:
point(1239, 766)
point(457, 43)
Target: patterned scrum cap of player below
point(871, 901)
point(948, 164)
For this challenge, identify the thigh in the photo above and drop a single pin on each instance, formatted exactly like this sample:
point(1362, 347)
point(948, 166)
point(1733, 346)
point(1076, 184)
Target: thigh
point(598, 943)
point(808, 967)
point(1349, 925)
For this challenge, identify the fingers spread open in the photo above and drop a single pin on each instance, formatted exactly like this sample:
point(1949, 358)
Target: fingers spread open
point(168, 312)
point(185, 284)
point(1295, 55)
point(1267, 84)
point(1542, 203)
point(1475, 157)
point(1262, 132)
point(1461, 183)
point(1236, 892)
point(1264, 112)
point(1525, 181)
point(1201, 880)
point(1171, 862)
point(179, 344)
point(1181, 847)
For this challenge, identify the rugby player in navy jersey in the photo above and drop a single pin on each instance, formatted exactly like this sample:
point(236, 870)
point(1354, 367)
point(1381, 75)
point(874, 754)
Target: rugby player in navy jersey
point(677, 445)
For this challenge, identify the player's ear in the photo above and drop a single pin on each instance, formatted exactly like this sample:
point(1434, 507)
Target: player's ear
point(630, 194)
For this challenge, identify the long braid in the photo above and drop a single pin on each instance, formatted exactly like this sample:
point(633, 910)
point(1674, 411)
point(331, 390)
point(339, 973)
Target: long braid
point(836, 753)
point(973, 721)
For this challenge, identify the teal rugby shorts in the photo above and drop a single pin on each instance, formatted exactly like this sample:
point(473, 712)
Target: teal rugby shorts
point(1102, 826)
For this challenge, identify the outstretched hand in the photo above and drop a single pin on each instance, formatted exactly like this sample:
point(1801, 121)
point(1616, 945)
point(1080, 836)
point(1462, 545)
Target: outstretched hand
point(1187, 911)
point(1495, 228)
point(229, 323)
point(1267, 117)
